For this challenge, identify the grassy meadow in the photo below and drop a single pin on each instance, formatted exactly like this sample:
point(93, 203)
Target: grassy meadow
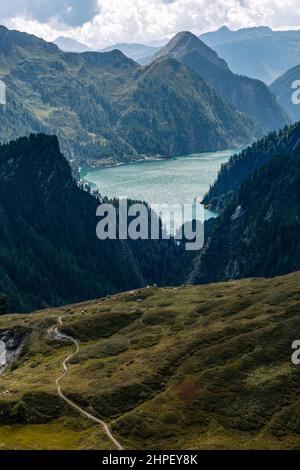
point(205, 367)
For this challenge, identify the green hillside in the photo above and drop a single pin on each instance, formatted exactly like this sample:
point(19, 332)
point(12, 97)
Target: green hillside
point(188, 368)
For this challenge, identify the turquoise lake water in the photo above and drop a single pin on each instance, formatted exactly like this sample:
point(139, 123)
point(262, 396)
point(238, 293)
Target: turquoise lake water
point(176, 181)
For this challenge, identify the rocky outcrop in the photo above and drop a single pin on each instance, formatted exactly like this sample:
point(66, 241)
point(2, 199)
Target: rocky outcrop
point(11, 343)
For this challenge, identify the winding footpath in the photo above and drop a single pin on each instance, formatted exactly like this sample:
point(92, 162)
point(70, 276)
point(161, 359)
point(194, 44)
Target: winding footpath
point(61, 394)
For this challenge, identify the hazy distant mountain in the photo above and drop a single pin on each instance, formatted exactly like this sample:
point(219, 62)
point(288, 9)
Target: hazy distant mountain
point(282, 88)
point(256, 52)
point(158, 43)
point(70, 45)
point(104, 104)
point(247, 95)
point(133, 51)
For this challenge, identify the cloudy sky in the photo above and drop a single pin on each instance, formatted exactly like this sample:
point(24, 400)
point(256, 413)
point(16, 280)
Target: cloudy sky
point(102, 22)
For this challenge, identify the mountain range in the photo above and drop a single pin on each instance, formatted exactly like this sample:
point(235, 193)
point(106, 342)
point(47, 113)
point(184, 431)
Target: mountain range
point(141, 53)
point(256, 52)
point(137, 52)
point(101, 105)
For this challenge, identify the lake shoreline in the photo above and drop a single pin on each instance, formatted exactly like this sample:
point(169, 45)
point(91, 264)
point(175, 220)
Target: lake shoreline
point(102, 164)
point(114, 163)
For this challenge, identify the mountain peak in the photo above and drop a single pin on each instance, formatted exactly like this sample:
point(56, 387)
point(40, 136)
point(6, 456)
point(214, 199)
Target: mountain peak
point(185, 43)
point(183, 38)
point(224, 29)
point(185, 35)
point(39, 153)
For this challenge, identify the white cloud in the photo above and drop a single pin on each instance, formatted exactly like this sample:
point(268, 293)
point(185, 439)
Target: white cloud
point(71, 12)
point(146, 20)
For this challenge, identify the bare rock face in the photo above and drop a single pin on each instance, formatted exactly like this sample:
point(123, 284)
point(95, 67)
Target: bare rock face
point(11, 343)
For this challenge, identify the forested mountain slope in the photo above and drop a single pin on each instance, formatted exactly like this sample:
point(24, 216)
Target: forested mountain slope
point(244, 164)
point(246, 94)
point(258, 234)
point(49, 252)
